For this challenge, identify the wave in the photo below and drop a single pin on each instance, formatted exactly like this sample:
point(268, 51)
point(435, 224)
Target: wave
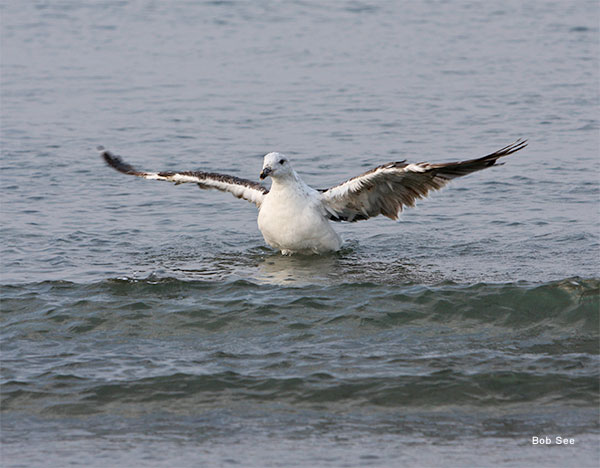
point(567, 303)
point(445, 388)
point(173, 345)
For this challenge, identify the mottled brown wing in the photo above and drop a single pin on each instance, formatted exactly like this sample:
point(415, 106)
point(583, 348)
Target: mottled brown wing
point(389, 188)
point(240, 188)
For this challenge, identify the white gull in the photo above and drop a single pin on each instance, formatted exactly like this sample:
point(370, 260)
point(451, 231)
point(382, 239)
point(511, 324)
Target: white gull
point(295, 218)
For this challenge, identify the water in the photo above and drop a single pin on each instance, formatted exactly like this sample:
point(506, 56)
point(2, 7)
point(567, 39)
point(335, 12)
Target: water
point(148, 325)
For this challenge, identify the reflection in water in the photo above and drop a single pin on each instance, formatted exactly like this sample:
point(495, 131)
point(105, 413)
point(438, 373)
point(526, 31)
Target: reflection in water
point(298, 269)
point(351, 264)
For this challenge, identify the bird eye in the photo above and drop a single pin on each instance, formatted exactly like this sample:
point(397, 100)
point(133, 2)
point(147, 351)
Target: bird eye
point(281, 161)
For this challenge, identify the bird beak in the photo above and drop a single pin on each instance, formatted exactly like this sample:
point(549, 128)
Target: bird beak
point(265, 172)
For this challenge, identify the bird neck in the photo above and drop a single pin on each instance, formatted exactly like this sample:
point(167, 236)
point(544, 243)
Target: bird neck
point(288, 181)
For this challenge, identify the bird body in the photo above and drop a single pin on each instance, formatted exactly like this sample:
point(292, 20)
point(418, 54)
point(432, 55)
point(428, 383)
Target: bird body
point(295, 218)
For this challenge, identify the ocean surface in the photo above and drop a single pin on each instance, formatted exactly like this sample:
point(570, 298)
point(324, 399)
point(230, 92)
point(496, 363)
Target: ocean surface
point(149, 325)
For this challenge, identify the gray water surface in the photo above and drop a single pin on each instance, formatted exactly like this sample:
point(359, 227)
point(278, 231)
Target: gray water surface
point(145, 324)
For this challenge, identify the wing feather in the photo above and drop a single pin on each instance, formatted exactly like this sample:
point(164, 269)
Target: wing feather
point(240, 188)
point(388, 188)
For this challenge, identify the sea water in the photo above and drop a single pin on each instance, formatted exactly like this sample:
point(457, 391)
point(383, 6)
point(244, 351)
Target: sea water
point(145, 324)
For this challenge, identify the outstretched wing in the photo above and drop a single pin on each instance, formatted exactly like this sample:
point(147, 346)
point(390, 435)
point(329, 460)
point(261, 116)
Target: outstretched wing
point(388, 188)
point(240, 188)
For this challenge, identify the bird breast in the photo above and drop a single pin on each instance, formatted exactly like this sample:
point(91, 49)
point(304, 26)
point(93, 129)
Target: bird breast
point(289, 219)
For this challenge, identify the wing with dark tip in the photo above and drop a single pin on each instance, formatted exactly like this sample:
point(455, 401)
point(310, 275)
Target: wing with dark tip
point(389, 188)
point(240, 188)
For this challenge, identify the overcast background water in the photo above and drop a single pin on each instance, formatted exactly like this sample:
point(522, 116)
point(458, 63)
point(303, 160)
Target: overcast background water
point(148, 325)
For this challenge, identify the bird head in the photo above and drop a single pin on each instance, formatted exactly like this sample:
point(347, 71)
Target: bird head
point(276, 165)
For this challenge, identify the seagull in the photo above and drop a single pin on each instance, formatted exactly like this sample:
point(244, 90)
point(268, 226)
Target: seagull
point(295, 218)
